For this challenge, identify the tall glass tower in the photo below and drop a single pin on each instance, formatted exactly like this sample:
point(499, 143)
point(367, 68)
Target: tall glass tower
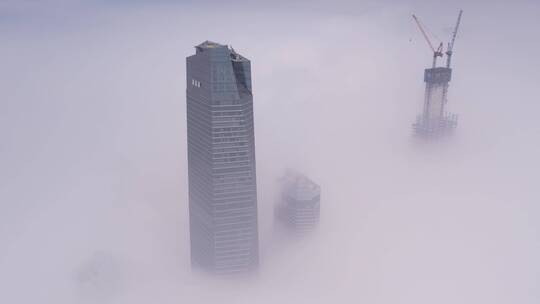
point(221, 161)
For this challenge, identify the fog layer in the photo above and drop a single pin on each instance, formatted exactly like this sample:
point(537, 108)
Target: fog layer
point(93, 184)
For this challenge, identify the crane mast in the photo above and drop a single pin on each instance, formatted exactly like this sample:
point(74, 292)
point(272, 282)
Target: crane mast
point(450, 49)
point(449, 53)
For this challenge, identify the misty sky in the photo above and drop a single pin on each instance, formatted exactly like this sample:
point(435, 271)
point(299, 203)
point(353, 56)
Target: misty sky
point(93, 160)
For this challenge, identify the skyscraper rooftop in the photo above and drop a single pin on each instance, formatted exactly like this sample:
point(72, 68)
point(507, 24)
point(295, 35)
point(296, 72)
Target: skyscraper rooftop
point(301, 188)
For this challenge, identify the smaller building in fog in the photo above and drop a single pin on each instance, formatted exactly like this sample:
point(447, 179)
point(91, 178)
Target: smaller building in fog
point(298, 205)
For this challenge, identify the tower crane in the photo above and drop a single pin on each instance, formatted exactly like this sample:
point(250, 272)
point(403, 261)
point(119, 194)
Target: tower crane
point(436, 52)
point(450, 49)
point(449, 53)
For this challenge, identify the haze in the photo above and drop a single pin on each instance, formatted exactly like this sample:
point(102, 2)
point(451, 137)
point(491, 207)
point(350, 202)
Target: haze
point(93, 183)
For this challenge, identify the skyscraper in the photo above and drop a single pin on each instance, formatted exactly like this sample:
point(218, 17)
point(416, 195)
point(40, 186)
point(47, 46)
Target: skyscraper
point(221, 161)
point(299, 204)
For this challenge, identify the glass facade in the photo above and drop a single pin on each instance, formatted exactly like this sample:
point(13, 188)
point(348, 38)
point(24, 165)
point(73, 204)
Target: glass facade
point(221, 161)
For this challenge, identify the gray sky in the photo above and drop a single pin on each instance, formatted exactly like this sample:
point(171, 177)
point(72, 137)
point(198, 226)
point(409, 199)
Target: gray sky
point(93, 200)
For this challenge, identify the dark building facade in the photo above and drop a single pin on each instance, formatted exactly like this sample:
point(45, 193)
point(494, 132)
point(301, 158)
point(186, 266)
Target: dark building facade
point(221, 161)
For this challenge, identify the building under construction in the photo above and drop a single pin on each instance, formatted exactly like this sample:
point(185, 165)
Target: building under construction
point(434, 121)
